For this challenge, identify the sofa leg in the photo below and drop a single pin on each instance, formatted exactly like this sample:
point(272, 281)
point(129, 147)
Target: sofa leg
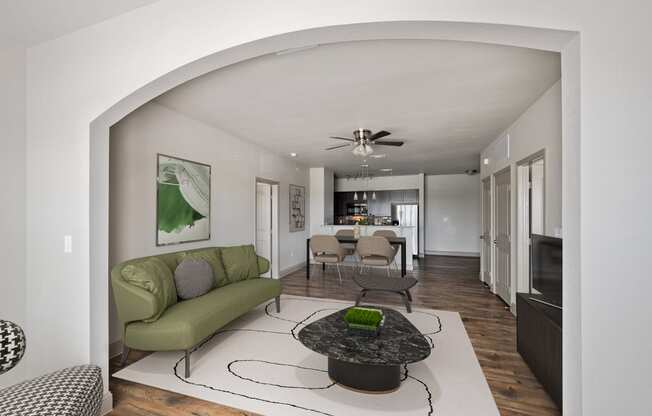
point(187, 363)
point(125, 355)
point(277, 301)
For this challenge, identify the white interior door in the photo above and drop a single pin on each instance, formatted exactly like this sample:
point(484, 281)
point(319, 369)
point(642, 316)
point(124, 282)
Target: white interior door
point(502, 235)
point(530, 216)
point(264, 222)
point(485, 276)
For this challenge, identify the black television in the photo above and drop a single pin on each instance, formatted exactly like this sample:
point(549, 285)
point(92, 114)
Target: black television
point(545, 269)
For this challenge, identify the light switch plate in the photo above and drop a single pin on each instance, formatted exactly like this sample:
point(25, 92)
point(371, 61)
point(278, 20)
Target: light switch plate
point(67, 244)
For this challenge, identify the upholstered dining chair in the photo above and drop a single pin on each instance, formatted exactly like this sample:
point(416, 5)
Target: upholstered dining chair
point(385, 233)
point(349, 249)
point(376, 251)
point(388, 234)
point(327, 250)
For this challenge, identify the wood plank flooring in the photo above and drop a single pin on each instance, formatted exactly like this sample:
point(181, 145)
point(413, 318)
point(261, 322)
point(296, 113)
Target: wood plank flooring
point(446, 283)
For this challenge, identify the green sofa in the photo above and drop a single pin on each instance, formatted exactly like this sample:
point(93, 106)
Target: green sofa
point(186, 323)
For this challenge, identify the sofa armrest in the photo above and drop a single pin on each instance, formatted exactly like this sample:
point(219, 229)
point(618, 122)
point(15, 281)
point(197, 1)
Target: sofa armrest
point(132, 303)
point(263, 265)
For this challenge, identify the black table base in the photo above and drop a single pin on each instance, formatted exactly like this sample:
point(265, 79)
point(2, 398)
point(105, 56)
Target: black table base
point(372, 378)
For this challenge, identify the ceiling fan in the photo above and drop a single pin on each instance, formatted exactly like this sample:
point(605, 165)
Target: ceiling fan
point(363, 140)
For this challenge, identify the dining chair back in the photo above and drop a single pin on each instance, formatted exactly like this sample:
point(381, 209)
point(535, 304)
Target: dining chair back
point(385, 233)
point(327, 250)
point(376, 251)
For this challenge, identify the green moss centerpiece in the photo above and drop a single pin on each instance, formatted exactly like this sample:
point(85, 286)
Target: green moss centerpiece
point(364, 321)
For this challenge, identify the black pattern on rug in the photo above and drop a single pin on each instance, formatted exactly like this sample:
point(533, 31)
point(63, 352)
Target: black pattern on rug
point(405, 376)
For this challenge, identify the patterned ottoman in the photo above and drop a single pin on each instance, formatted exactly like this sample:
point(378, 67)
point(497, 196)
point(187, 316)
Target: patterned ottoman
point(75, 391)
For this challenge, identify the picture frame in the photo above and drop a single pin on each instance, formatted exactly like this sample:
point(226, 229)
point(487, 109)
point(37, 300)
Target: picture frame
point(183, 200)
point(297, 208)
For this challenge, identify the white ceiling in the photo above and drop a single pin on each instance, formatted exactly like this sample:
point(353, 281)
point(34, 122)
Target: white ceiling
point(446, 99)
point(29, 22)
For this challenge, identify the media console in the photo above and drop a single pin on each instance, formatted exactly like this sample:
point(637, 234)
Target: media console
point(538, 340)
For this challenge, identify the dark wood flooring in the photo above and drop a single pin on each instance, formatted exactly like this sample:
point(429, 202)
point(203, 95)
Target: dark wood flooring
point(446, 283)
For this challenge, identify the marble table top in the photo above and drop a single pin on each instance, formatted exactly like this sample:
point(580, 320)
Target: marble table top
point(399, 341)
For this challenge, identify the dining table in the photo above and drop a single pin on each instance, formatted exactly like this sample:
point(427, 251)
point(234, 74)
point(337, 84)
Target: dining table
point(349, 239)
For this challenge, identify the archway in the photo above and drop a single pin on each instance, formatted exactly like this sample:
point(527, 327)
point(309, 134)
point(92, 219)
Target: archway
point(552, 40)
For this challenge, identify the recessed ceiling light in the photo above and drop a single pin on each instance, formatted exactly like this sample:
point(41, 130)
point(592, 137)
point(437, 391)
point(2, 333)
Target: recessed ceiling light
point(486, 161)
point(364, 166)
point(386, 169)
point(293, 154)
point(380, 156)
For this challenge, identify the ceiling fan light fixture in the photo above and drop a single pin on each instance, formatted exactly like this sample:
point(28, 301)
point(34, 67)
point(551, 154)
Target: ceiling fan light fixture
point(363, 150)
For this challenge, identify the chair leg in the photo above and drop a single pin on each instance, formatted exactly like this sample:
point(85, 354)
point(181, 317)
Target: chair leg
point(277, 301)
point(187, 363)
point(339, 273)
point(406, 301)
point(125, 355)
point(360, 296)
point(388, 273)
point(409, 295)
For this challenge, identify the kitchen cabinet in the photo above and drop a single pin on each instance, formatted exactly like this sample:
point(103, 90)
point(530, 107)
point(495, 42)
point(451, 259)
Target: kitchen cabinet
point(411, 196)
point(380, 207)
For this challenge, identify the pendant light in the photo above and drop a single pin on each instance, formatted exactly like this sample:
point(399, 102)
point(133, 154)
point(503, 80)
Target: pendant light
point(355, 196)
point(373, 195)
point(364, 196)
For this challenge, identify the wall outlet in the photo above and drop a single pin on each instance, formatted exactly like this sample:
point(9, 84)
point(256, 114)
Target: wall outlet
point(67, 244)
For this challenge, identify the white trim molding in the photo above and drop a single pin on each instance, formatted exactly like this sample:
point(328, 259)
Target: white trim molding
point(453, 253)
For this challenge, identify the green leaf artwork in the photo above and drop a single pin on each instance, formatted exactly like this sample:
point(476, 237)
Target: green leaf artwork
point(183, 201)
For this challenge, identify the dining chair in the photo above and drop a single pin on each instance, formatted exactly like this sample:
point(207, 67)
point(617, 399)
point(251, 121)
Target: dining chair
point(349, 249)
point(327, 250)
point(388, 234)
point(376, 251)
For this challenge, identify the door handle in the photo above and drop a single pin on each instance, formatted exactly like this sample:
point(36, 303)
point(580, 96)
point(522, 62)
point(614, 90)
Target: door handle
point(482, 237)
point(495, 241)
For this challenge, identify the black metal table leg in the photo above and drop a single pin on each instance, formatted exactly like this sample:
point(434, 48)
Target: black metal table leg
point(307, 258)
point(403, 259)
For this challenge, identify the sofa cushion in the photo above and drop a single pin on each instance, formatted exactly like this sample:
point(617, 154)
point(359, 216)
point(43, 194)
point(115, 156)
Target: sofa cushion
point(155, 277)
point(187, 323)
point(193, 278)
point(240, 262)
point(212, 256)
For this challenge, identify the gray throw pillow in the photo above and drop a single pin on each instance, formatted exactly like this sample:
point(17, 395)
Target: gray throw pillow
point(193, 278)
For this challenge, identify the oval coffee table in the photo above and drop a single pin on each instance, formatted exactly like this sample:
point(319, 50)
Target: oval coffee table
point(366, 363)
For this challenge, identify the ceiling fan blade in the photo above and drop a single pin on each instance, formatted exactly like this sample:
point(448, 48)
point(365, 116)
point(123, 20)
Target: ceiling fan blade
point(379, 134)
point(342, 138)
point(386, 143)
point(337, 147)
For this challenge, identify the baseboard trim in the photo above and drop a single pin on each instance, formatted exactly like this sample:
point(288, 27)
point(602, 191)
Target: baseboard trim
point(453, 253)
point(292, 269)
point(115, 349)
point(107, 403)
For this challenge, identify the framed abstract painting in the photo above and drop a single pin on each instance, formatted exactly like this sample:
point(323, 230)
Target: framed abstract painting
point(297, 208)
point(183, 201)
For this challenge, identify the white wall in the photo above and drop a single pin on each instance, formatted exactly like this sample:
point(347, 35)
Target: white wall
point(12, 207)
point(538, 128)
point(235, 164)
point(453, 214)
point(76, 78)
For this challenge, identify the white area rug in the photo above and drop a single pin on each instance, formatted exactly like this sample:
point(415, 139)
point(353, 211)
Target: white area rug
point(256, 364)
